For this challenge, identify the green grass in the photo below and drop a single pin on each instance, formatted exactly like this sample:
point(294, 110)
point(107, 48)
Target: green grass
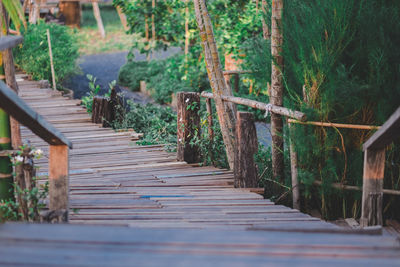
point(89, 39)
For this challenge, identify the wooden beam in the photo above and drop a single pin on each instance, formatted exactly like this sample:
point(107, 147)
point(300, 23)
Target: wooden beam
point(58, 179)
point(385, 135)
point(188, 126)
point(232, 72)
point(7, 42)
point(18, 109)
point(259, 105)
point(374, 167)
point(245, 171)
point(337, 125)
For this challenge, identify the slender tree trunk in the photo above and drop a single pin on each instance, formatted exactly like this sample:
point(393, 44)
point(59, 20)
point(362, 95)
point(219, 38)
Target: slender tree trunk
point(122, 17)
point(153, 22)
point(266, 32)
point(96, 11)
point(187, 36)
point(226, 111)
point(276, 97)
point(146, 28)
point(6, 178)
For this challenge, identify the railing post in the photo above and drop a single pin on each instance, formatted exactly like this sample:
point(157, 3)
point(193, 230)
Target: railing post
point(374, 167)
point(188, 126)
point(245, 171)
point(59, 181)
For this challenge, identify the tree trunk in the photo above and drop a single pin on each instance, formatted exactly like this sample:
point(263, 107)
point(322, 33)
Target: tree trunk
point(153, 22)
point(226, 111)
point(122, 17)
point(276, 97)
point(96, 11)
point(266, 32)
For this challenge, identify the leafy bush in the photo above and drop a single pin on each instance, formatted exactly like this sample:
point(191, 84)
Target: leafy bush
point(33, 55)
point(132, 73)
point(157, 123)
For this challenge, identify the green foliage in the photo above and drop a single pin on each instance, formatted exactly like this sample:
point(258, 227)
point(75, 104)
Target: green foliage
point(157, 123)
point(33, 55)
point(36, 196)
point(132, 73)
point(94, 89)
point(164, 77)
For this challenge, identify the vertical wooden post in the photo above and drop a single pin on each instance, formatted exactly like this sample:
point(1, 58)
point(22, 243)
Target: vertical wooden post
point(53, 74)
point(245, 171)
point(293, 168)
point(374, 168)
point(58, 179)
point(210, 120)
point(96, 11)
point(188, 126)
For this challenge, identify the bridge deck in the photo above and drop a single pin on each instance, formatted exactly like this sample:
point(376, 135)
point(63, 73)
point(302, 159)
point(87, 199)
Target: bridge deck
point(179, 214)
point(115, 181)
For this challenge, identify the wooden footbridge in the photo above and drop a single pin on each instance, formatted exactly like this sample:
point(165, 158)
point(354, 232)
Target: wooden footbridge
point(178, 214)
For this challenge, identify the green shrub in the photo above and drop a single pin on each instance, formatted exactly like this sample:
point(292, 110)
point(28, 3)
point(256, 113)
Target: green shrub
point(132, 73)
point(157, 123)
point(33, 55)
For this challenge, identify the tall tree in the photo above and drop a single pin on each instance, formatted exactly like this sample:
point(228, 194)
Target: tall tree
point(276, 96)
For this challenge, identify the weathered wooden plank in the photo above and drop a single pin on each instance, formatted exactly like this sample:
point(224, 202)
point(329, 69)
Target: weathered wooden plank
point(384, 136)
point(7, 42)
point(17, 108)
point(58, 180)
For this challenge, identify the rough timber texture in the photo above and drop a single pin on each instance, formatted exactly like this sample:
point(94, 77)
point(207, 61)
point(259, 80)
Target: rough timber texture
point(188, 126)
point(245, 170)
point(114, 182)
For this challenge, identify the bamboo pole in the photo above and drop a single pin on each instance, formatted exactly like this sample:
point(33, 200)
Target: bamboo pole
point(6, 177)
point(53, 75)
point(226, 112)
point(337, 125)
point(358, 188)
point(259, 105)
point(294, 172)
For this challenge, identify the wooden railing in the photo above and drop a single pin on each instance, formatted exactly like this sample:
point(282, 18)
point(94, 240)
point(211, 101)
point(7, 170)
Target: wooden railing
point(245, 174)
point(374, 169)
point(59, 144)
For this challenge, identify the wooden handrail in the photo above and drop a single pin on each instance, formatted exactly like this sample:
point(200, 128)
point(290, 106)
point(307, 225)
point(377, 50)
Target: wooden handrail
point(374, 170)
point(385, 135)
point(261, 106)
point(7, 42)
point(17, 108)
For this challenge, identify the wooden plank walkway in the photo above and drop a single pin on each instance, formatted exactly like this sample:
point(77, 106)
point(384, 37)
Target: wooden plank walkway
point(179, 214)
point(114, 181)
point(82, 245)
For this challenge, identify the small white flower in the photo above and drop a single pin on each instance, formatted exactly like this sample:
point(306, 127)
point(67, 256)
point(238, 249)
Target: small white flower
point(18, 159)
point(38, 152)
point(180, 140)
point(187, 100)
point(180, 120)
